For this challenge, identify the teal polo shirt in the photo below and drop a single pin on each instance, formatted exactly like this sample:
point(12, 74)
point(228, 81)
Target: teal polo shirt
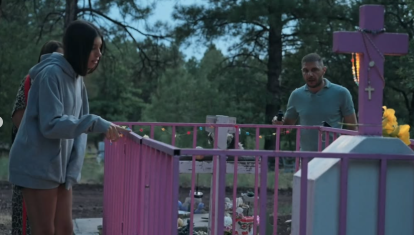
point(330, 104)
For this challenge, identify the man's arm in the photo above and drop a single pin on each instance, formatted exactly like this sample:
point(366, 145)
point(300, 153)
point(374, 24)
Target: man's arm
point(284, 121)
point(351, 119)
point(291, 114)
point(348, 111)
point(289, 122)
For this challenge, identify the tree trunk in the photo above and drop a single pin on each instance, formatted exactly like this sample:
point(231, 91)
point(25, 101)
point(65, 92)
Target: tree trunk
point(71, 12)
point(274, 68)
point(1, 11)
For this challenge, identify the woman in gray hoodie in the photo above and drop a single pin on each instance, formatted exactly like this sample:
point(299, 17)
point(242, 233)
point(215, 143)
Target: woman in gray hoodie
point(19, 216)
point(48, 152)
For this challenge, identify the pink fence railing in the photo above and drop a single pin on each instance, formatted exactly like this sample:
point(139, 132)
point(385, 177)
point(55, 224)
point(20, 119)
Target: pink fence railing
point(140, 183)
point(141, 180)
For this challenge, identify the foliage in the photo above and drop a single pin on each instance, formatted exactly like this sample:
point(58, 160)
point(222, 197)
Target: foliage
point(143, 75)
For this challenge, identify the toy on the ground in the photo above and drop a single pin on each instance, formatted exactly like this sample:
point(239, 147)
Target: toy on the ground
point(180, 223)
point(227, 222)
point(198, 203)
point(199, 157)
point(185, 230)
point(244, 224)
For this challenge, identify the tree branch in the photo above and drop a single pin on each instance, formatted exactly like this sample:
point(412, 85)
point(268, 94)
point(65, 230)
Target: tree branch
point(91, 10)
point(35, 8)
point(404, 94)
point(403, 24)
point(264, 27)
point(285, 21)
point(90, 6)
point(1, 11)
point(53, 25)
point(233, 65)
point(60, 14)
point(340, 18)
point(232, 61)
point(126, 28)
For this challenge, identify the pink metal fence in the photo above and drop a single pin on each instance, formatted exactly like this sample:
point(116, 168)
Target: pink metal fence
point(141, 180)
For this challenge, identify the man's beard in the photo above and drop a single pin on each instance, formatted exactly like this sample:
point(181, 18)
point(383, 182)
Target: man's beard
point(318, 83)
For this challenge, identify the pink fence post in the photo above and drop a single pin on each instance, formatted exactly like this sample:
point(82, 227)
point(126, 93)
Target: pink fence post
point(164, 200)
point(257, 138)
point(152, 132)
point(263, 195)
point(256, 182)
point(343, 197)
point(135, 151)
point(175, 161)
point(121, 185)
point(221, 194)
point(143, 190)
point(151, 189)
point(168, 197)
point(173, 136)
point(193, 177)
point(236, 162)
point(123, 176)
point(276, 187)
point(107, 209)
point(303, 195)
point(158, 190)
point(127, 187)
point(194, 136)
point(320, 141)
point(213, 202)
point(326, 139)
point(115, 181)
point(146, 164)
point(297, 163)
point(381, 197)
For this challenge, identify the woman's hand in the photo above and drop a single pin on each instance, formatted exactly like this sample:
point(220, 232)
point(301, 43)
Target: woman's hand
point(115, 131)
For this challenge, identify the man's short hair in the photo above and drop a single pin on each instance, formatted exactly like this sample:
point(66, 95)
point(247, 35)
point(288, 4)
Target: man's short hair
point(312, 57)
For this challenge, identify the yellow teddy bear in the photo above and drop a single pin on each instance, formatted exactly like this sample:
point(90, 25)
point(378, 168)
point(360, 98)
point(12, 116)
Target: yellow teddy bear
point(390, 127)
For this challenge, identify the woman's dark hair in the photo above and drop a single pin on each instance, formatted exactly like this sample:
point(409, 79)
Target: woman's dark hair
point(78, 43)
point(50, 47)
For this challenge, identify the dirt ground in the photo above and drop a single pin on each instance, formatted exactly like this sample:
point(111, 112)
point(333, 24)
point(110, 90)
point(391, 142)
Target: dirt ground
point(88, 199)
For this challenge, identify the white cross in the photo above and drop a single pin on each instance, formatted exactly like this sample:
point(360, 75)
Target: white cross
point(369, 89)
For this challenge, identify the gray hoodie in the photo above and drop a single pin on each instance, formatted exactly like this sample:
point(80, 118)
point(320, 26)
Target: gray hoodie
point(50, 145)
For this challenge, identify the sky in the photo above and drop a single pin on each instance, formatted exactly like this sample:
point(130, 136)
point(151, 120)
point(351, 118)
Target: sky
point(163, 12)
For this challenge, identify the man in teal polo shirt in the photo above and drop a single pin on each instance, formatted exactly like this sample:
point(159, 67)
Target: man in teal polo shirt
point(317, 101)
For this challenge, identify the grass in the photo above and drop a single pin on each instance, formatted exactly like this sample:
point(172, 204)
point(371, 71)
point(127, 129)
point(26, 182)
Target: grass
point(92, 173)
point(243, 181)
point(284, 209)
